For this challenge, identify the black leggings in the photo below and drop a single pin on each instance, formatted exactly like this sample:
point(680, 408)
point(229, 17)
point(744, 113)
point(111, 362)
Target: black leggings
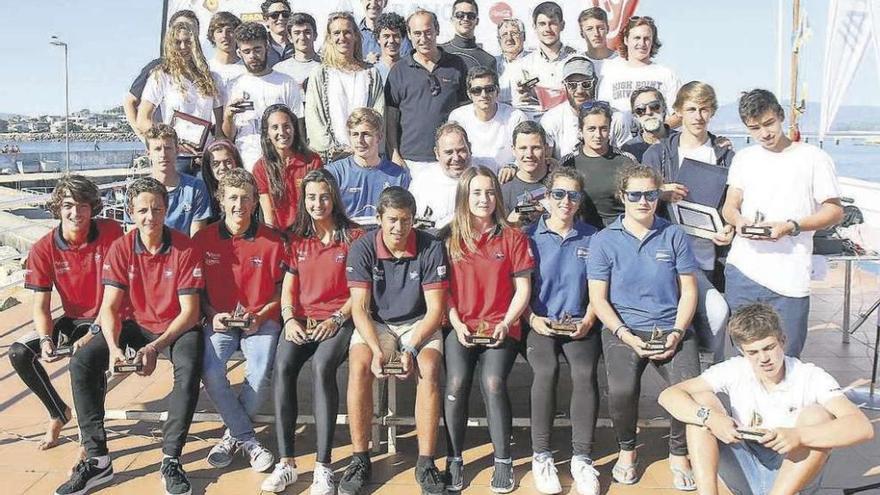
point(87, 368)
point(25, 357)
point(289, 360)
point(583, 358)
point(624, 369)
point(495, 366)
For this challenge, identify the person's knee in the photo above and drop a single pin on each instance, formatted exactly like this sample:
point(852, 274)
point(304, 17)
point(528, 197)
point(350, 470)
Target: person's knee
point(544, 369)
point(430, 368)
point(359, 360)
point(494, 384)
point(214, 376)
point(19, 354)
point(717, 311)
point(582, 374)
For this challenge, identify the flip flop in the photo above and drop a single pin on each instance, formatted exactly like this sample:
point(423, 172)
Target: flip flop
point(44, 445)
point(683, 479)
point(625, 474)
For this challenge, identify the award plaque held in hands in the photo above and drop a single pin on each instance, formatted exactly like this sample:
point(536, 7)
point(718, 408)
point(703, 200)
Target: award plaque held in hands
point(238, 318)
point(753, 432)
point(393, 365)
point(755, 229)
point(129, 365)
point(698, 213)
point(424, 221)
point(311, 325)
point(564, 327)
point(191, 130)
point(64, 347)
point(482, 335)
point(657, 342)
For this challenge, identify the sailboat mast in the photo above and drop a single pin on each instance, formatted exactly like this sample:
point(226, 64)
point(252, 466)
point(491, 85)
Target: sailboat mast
point(793, 132)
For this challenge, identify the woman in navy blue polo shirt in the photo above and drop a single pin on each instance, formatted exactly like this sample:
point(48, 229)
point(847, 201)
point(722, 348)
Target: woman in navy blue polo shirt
point(642, 282)
point(491, 266)
point(561, 245)
point(314, 288)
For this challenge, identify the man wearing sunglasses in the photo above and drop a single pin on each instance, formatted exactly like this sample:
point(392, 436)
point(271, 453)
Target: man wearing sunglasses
point(276, 15)
point(465, 17)
point(561, 122)
point(485, 117)
point(649, 110)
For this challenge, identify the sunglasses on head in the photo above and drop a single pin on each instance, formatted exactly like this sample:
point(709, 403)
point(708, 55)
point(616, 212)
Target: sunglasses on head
point(489, 90)
point(589, 105)
point(585, 85)
point(636, 196)
point(654, 106)
point(637, 18)
point(279, 13)
point(465, 15)
point(559, 194)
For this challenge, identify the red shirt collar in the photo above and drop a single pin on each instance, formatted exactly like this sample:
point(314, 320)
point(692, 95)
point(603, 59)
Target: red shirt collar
point(383, 253)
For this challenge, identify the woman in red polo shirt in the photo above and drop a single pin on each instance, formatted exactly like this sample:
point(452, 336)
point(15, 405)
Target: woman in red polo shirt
point(490, 287)
point(284, 163)
point(315, 289)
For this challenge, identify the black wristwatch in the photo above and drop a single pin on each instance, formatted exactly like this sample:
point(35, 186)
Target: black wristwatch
point(797, 228)
point(94, 329)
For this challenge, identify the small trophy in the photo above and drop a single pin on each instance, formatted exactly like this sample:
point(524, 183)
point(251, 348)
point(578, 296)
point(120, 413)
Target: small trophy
point(657, 342)
point(564, 327)
point(311, 325)
point(754, 229)
point(753, 432)
point(64, 347)
point(393, 365)
point(246, 103)
point(528, 202)
point(482, 335)
point(238, 319)
point(129, 365)
point(424, 221)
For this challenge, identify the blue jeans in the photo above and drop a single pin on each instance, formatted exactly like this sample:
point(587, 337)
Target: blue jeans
point(259, 352)
point(793, 311)
point(748, 467)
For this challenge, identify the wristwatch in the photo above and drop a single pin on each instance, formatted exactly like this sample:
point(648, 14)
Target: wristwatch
point(703, 414)
point(338, 318)
point(94, 329)
point(410, 349)
point(797, 228)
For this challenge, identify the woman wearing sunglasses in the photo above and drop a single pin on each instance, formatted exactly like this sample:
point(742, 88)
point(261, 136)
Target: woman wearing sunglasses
point(599, 164)
point(491, 265)
point(342, 83)
point(219, 157)
point(644, 290)
point(561, 245)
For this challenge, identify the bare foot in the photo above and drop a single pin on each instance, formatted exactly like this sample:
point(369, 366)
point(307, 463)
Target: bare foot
point(50, 439)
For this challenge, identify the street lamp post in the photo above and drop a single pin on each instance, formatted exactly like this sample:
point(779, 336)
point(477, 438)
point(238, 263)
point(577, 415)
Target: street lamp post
point(57, 42)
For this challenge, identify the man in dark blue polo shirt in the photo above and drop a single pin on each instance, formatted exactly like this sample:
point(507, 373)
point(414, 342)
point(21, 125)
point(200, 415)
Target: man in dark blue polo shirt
point(420, 92)
point(397, 277)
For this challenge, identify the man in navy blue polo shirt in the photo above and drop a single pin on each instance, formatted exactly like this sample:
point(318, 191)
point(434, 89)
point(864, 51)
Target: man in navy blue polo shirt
point(397, 276)
point(420, 92)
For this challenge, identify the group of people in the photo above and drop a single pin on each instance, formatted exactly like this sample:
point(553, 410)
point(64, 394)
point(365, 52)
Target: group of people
point(422, 211)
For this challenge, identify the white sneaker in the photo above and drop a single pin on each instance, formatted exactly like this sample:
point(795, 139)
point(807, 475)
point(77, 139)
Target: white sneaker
point(586, 478)
point(283, 476)
point(221, 454)
point(259, 457)
point(322, 481)
point(545, 475)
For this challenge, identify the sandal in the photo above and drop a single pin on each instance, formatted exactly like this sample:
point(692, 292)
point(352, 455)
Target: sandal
point(625, 474)
point(682, 479)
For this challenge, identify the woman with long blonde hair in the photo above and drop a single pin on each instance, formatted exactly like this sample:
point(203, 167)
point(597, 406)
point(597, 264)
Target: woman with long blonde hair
point(181, 82)
point(342, 83)
point(490, 285)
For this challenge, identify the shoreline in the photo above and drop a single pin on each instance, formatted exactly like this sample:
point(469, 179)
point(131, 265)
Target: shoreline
point(86, 137)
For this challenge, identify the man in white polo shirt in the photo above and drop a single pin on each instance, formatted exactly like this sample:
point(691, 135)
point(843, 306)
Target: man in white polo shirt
point(434, 189)
point(781, 419)
point(789, 189)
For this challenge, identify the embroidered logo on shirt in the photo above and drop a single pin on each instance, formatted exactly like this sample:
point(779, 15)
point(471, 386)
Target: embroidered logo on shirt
point(62, 267)
point(582, 253)
point(187, 207)
point(663, 255)
point(500, 256)
point(414, 275)
point(98, 257)
point(441, 271)
point(355, 189)
point(340, 258)
point(300, 255)
point(197, 272)
point(168, 273)
point(378, 273)
point(256, 261)
point(212, 259)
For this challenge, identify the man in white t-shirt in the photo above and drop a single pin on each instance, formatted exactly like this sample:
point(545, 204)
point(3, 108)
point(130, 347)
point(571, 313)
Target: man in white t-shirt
point(434, 188)
point(248, 95)
point(485, 117)
point(303, 32)
point(790, 189)
point(561, 122)
point(636, 68)
point(593, 23)
point(781, 419)
point(225, 65)
point(511, 41)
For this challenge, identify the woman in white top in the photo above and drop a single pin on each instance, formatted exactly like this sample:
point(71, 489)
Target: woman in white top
point(340, 84)
point(181, 82)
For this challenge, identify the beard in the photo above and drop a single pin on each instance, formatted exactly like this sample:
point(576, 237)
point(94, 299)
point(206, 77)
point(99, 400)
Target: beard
point(651, 124)
point(257, 66)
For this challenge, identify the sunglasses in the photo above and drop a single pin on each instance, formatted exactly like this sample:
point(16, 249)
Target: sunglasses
point(585, 85)
point(636, 196)
point(465, 15)
point(653, 106)
point(589, 105)
point(279, 13)
point(637, 18)
point(434, 84)
point(476, 90)
point(560, 194)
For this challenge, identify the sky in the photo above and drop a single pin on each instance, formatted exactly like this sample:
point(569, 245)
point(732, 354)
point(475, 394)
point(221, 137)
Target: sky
point(729, 44)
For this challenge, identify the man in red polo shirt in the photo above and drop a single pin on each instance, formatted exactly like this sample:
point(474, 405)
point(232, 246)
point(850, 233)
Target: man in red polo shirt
point(156, 270)
point(68, 259)
point(242, 262)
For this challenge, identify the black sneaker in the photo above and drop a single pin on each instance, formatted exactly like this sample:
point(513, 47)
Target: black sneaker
point(454, 475)
point(430, 480)
point(174, 478)
point(86, 475)
point(502, 478)
point(356, 475)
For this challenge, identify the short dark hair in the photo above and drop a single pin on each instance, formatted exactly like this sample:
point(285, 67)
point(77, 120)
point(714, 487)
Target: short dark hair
point(469, 2)
point(647, 89)
point(398, 198)
point(389, 20)
point(221, 20)
point(636, 22)
point(478, 71)
point(754, 322)
point(755, 103)
point(80, 188)
point(451, 128)
point(549, 9)
point(264, 7)
point(300, 18)
point(189, 14)
point(144, 185)
point(529, 127)
point(587, 110)
point(593, 13)
point(251, 31)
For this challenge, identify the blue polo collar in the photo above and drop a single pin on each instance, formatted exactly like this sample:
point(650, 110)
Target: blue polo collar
point(62, 244)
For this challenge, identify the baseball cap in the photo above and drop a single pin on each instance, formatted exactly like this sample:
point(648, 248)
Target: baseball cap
point(578, 65)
